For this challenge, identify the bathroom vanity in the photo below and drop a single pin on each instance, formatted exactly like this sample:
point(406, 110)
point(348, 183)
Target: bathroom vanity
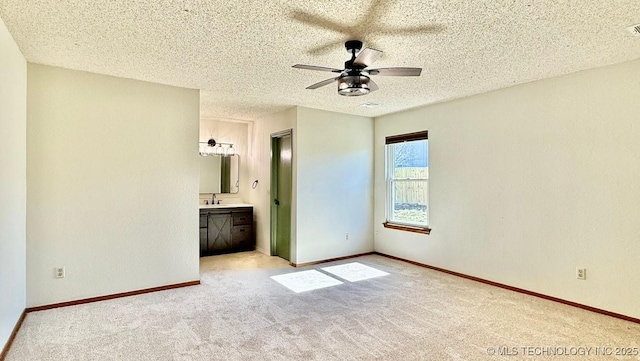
point(226, 228)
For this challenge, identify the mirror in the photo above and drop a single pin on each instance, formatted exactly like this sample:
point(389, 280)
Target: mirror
point(220, 174)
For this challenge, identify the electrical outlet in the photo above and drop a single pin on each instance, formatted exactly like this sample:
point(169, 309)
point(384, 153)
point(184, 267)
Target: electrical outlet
point(581, 273)
point(346, 236)
point(59, 272)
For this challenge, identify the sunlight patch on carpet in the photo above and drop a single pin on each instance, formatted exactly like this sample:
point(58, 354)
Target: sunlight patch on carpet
point(305, 281)
point(354, 272)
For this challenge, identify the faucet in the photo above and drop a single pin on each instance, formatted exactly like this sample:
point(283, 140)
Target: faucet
point(213, 198)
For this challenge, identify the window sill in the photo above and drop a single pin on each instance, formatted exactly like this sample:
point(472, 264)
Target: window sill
point(425, 230)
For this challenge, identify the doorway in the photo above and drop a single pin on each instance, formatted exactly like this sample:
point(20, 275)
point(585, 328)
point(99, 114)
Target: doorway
point(281, 194)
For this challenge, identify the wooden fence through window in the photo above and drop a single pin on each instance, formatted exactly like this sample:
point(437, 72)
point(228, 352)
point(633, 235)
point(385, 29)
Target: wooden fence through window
point(412, 185)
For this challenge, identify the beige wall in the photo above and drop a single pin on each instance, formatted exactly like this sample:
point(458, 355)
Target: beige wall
point(112, 184)
point(260, 160)
point(335, 185)
point(13, 183)
point(530, 182)
point(332, 182)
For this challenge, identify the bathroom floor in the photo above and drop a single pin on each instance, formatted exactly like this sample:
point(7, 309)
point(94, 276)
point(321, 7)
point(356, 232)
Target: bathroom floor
point(241, 260)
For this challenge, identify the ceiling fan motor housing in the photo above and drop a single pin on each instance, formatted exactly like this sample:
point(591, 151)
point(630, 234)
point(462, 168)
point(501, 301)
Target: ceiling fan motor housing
point(353, 45)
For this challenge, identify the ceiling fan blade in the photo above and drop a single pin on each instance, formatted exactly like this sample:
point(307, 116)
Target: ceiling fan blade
point(396, 71)
point(325, 48)
point(426, 29)
point(378, 9)
point(318, 21)
point(323, 83)
point(319, 68)
point(367, 56)
point(373, 86)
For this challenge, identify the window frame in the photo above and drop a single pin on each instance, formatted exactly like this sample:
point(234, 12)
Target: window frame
point(390, 181)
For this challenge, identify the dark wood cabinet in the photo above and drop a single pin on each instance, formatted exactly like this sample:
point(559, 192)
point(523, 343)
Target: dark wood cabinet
point(225, 230)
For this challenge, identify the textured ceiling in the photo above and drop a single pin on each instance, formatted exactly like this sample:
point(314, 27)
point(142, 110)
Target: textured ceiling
point(240, 52)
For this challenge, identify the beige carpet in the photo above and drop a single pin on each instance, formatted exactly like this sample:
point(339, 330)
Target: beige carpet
point(241, 314)
point(305, 281)
point(354, 271)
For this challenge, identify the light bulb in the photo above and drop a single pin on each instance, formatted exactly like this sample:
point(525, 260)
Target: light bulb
point(230, 150)
point(219, 150)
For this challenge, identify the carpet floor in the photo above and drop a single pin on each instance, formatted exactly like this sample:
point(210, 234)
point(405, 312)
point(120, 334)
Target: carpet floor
point(242, 314)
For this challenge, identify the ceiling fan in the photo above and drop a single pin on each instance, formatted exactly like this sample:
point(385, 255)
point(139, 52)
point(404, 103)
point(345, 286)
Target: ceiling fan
point(355, 78)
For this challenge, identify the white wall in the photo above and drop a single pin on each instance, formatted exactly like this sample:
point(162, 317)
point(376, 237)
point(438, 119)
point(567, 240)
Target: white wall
point(530, 182)
point(112, 184)
point(334, 185)
point(13, 183)
point(260, 169)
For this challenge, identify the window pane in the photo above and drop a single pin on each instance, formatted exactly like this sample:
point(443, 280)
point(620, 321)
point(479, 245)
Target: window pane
point(413, 155)
point(410, 200)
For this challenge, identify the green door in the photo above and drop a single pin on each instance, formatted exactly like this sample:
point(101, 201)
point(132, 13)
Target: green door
point(225, 174)
point(281, 196)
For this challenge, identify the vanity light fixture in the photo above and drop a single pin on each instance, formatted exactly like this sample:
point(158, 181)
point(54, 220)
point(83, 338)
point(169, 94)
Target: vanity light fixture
point(211, 147)
point(230, 150)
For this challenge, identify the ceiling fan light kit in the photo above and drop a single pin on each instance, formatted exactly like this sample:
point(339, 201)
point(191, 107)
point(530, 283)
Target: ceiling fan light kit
point(354, 79)
point(354, 85)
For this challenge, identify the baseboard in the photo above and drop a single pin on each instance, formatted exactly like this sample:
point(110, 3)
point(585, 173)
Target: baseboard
point(263, 251)
point(516, 289)
point(7, 346)
point(329, 260)
point(112, 296)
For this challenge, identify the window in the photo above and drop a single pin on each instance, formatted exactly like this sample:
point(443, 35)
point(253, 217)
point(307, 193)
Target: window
point(407, 179)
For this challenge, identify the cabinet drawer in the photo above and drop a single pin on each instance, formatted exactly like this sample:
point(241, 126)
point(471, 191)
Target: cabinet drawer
point(241, 218)
point(242, 237)
point(241, 233)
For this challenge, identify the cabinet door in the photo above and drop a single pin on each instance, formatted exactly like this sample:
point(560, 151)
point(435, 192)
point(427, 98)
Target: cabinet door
point(203, 240)
point(203, 233)
point(219, 232)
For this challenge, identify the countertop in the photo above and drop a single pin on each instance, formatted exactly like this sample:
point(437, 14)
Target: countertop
point(222, 206)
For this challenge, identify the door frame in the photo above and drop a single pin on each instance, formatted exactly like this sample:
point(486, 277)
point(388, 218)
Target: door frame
point(275, 137)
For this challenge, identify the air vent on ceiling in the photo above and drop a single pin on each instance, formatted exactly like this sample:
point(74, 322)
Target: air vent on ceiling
point(634, 29)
